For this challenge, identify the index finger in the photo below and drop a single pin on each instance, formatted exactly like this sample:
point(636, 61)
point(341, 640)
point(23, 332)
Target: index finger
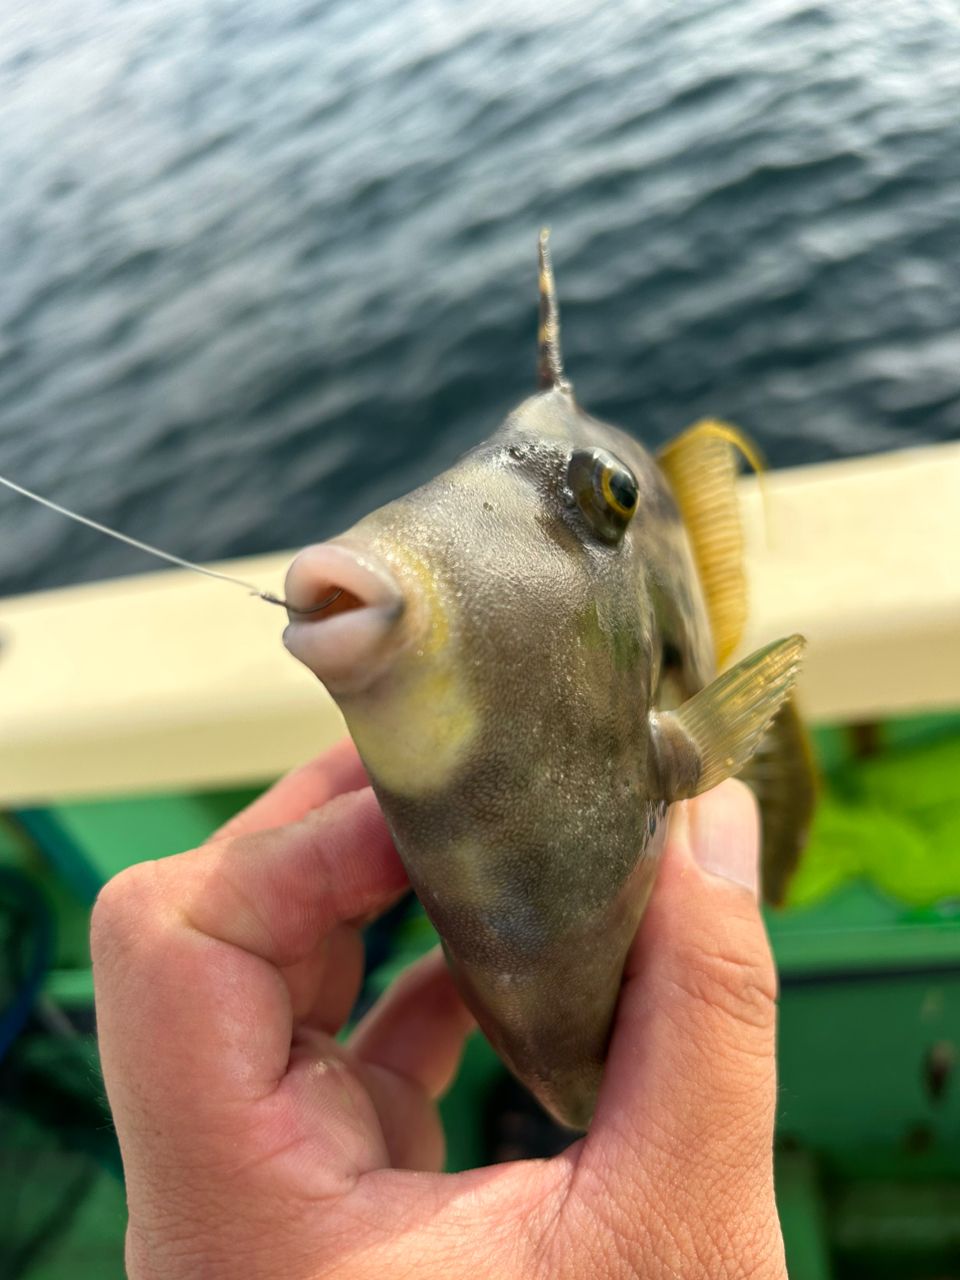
point(187, 954)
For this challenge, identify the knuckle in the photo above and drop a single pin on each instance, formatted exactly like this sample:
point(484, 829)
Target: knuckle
point(119, 909)
point(232, 829)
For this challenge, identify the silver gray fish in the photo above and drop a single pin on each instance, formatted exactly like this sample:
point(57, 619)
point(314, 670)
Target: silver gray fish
point(525, 650)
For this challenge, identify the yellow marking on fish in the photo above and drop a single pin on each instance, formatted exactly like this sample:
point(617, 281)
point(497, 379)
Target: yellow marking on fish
point(467, 879)
point(429, 605)
point(420, 734)
point(417, 730)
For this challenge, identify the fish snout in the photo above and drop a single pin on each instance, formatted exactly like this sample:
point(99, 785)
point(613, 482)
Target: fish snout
point(345, 609)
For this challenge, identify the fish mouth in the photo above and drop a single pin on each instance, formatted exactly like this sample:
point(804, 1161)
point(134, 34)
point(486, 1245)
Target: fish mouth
point(345, 609)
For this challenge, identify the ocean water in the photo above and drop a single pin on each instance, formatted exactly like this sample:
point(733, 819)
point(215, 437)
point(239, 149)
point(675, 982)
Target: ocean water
point(267, 263)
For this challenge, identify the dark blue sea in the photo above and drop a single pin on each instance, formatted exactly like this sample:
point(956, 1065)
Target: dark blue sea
point(266, 263)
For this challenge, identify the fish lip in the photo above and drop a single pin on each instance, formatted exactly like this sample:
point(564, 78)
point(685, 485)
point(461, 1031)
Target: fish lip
point(319, 569)
point(347, 650)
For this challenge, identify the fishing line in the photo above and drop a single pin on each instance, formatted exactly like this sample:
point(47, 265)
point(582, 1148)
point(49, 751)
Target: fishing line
point(253, 590)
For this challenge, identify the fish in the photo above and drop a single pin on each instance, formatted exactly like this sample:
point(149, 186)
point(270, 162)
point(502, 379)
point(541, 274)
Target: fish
point(530, 653)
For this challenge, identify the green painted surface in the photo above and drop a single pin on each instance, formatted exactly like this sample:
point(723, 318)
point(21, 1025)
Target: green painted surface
point(891, 1229)
point(802, 1216)
point(855, 1066)
point(90, 841)
point(869, 956)
point(61, 1214)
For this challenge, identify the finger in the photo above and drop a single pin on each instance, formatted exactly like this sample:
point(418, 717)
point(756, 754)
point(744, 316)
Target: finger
point(312, 785)
point(188, 954)
point(408, 1048)
point(417, 1029)
point(409, 1123)
point(690, 1083)
point(324, 986)
point(274, 893)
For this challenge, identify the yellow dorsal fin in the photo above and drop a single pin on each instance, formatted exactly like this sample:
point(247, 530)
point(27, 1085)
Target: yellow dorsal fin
point(701, 467)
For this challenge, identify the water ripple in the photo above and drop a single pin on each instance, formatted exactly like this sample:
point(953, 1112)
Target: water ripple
point(268, 264)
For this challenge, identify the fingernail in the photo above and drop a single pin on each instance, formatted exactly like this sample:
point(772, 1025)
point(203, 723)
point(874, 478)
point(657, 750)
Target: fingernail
point(723, 835)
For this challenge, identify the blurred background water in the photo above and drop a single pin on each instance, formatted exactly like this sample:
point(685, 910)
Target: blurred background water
point(267, 263)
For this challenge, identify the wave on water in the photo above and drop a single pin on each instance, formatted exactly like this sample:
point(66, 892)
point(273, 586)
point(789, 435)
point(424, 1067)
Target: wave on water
point(267, 265)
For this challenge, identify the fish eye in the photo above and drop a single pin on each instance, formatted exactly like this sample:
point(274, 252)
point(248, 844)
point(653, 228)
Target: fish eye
point(605, 491)
point(619, 489)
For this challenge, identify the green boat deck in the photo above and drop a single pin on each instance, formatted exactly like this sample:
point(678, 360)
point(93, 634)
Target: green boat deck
point(868, 949)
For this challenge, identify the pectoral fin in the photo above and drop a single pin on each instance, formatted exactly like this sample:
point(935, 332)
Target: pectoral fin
point(713, 734)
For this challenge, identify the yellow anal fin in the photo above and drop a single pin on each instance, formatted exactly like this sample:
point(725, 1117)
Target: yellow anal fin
point(782, 775)
point(701, 468)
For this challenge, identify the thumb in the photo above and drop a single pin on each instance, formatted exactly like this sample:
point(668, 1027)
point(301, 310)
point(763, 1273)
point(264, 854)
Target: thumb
point(689, 1094)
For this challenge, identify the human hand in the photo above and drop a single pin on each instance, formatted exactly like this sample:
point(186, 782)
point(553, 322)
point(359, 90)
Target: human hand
point(255, 1145)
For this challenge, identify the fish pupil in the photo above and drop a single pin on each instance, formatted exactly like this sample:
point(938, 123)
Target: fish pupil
point(624, 489)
